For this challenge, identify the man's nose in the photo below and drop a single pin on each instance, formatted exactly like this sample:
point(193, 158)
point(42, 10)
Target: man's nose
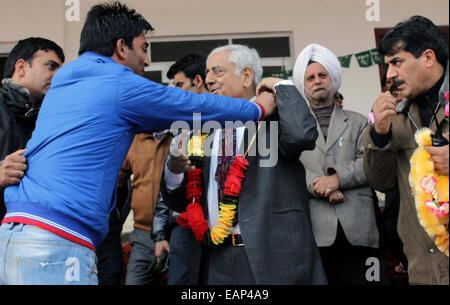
point(317, 80)
point(209, 80)
point(147, 61)
point(391, 73)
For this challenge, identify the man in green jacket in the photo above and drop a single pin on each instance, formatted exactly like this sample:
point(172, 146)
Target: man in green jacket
point(417, 56)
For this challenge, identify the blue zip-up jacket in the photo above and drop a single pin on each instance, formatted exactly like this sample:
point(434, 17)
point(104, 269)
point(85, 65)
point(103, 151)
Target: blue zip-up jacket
point(85, 127)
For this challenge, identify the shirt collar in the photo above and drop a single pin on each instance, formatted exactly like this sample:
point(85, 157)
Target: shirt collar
point(97, 57)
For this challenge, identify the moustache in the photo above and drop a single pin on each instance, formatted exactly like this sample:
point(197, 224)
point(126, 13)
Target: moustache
point(396, 83)
point(319, 88)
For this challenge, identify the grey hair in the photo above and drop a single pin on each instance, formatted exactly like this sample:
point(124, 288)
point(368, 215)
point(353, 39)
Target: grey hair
point(242, 56)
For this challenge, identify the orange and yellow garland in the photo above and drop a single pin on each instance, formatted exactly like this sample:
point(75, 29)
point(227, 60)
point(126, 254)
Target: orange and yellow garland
point(431, 192)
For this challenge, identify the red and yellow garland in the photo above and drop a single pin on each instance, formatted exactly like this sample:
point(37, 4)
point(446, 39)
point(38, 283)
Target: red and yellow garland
point(194, 217)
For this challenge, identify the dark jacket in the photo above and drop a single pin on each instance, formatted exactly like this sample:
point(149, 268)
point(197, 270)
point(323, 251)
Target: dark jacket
point(274, 216)
point(164, 220)
point(17, 120)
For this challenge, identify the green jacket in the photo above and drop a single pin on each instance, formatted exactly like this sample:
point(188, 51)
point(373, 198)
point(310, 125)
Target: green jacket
point(386, 167)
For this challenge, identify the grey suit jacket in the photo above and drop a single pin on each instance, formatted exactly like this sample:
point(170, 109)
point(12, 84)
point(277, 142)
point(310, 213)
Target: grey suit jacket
point(274, 216)
point(342, 153)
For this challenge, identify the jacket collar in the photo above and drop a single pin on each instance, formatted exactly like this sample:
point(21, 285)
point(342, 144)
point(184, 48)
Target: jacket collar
point(444, 88)
point(96, 57)
point(17, 99)
point(338, 124)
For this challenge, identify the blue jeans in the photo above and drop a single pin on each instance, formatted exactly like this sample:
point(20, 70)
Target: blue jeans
point(33, 256)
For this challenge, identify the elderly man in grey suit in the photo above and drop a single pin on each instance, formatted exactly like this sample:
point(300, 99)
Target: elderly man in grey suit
point(272, 240)
point(341, 203)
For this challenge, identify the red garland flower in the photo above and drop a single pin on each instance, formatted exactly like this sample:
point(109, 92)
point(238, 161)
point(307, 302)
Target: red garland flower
point(197, 221)
point(183, 220)
point(194, 185)
point(241, 162)
point(233, 185)
point(236, 174)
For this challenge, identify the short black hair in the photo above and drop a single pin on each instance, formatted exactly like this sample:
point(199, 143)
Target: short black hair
point(191, 65)
point(415, 35)
point(108, 22)
point(25, 49)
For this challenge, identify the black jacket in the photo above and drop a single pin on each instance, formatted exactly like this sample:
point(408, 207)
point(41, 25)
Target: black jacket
point(17, 121)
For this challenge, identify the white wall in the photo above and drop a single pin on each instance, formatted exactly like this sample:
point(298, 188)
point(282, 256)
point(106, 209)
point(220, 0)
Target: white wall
point(337, 24)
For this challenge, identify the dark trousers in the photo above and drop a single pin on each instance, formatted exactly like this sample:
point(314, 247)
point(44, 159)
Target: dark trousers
point(227, 265)
point(345, 264)
point(389, 218)
point(142, 255)
point(180, 238)
point(110, 260)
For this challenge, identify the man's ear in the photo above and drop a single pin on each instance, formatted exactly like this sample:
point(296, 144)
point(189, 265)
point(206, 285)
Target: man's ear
point(198, 81)
point(247, 74)
point(20, 68)
point(429, 58)
point(121, 49)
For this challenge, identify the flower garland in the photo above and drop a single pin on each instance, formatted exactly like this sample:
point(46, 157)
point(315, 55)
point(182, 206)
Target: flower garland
point(194, 217)
point(431, 192)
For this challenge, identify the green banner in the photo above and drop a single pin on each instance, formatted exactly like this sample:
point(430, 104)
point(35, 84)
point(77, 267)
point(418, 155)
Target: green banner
point(364, 59)
point(345, 60)
point(376, 56)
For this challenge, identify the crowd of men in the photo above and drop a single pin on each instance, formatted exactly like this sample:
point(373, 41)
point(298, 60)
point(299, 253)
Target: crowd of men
point(101, 146)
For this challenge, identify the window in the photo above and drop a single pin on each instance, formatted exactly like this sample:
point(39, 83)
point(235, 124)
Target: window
point(2, 64)
point(173, 50)
point(267, 46)
point(155, 76)
point(274, 49)
point(5, 48)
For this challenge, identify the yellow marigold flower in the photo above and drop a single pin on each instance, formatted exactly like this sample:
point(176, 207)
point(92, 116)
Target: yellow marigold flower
point(195, 146)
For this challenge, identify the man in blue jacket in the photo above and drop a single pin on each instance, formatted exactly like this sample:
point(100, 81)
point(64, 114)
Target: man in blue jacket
point(58, 213)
